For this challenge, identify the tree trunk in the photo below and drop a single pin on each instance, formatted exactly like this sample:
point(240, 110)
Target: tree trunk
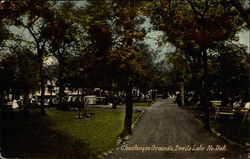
point(153, 95)
point(26, 100)
point(248, 90)
point(129, 101)
point(129, 112)
point(60, 81)
point(78, 97)
point(139, 95)
point(82, 98)
point(51, 89)
point(114, 101)
point(145, 97)
point(24, 108)
point(1, 98)
point(205, 94)
point(61, 92)
point(196, 87)
point(182, 94)
point(42, 80)
point(224, 97)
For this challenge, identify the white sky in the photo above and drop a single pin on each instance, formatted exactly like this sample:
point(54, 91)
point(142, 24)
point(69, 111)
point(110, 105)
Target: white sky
point(244, 38)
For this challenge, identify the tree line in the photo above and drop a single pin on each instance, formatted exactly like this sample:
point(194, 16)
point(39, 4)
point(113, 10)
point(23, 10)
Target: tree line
point(100, 44)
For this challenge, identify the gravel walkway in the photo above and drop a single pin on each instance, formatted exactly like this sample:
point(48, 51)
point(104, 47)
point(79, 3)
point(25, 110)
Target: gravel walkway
point(166, 131)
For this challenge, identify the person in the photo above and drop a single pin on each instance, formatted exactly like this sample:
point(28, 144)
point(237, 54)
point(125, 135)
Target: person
point(32, 100)
point(247, 105)
point(154, 96)
point(71, 103)
point(15, 104)
point(236, 104)
point(178, 99)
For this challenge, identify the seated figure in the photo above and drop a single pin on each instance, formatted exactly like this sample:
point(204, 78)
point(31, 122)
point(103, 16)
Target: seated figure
point(247, 105)
point(15, 104)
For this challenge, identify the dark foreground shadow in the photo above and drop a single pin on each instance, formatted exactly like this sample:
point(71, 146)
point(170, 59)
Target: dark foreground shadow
point(30, 136)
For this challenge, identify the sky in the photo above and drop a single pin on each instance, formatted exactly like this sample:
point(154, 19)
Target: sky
point(244, 38)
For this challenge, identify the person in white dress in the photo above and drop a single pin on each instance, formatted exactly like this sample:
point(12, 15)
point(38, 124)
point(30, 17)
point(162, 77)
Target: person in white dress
point(247, 105)
point(15, 104)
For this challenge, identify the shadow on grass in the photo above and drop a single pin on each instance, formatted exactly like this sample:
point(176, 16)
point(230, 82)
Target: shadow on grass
point(233, 129)
point(229, 126)
point(31, 137)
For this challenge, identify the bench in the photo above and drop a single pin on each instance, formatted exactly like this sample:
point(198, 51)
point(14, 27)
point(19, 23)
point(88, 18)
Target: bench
point(223, 111)
point(233, 111)
point(215, 103)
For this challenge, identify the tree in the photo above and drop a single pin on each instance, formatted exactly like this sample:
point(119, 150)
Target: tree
point(29, 14)
point(113, 33)
point(245, 13)
point(198, 25)
point(126, 58)
point(51, 72)
point(4, 35)
point(62, 44)
point(94, 44)
point(229, 72)
point(7, 70)
point(39, 22)
point(179, 70)
point(19, 67)
point(146, 81)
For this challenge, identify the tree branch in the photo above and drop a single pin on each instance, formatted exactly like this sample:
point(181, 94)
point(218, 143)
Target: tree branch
point(30, 31)
point(43, 45)
point(206, 8)
point(40, 38)
point(242, 11)
point(194, 9)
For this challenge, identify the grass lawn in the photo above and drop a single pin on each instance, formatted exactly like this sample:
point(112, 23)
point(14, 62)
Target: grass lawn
point(59, 134)
point(228, 127)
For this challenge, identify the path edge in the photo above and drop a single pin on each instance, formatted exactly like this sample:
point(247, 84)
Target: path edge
point(224, 138)
point(120, 141)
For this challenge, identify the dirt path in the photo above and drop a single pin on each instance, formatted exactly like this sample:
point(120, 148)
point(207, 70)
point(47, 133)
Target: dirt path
point(166, 131)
